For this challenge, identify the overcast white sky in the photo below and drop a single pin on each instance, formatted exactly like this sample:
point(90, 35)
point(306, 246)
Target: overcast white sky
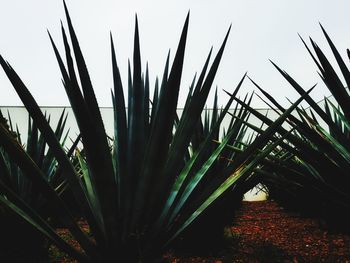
point(261, 30)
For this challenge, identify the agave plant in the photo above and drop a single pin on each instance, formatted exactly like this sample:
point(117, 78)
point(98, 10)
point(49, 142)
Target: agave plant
point(138, 198)
point(221, 213)
point(18, 241)
point(36, 148)
point(311, 172)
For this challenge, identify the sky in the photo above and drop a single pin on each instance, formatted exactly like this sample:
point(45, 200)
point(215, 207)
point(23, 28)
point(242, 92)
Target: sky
point(261, 30)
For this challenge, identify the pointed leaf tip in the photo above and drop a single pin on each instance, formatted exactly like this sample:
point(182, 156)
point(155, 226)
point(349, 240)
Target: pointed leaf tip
point(228, 93)
point(323, 30)
point(111, 38)
point(65, 6)
point(228, 32)
point(275, 65)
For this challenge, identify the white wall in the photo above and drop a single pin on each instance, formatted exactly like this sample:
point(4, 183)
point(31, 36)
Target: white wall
point(19, 116)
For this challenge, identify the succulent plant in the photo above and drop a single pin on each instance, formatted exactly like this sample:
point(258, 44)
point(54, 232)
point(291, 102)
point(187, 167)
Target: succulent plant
point(138, 197)
point(310, 173)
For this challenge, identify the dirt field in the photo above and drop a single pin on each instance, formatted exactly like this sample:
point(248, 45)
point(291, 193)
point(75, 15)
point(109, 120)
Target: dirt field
point(264, 232)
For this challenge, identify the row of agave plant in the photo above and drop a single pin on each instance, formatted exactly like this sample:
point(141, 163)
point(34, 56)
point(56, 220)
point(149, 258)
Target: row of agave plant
point(310, 173)
point(165, 176)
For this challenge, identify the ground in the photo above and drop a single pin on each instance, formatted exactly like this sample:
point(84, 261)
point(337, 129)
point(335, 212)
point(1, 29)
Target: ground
point(265, 232)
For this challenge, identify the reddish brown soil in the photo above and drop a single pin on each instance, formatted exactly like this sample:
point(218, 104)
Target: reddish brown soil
point(264, 232)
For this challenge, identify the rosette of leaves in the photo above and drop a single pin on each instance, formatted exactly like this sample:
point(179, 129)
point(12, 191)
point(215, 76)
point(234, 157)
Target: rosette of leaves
point(138, 198)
